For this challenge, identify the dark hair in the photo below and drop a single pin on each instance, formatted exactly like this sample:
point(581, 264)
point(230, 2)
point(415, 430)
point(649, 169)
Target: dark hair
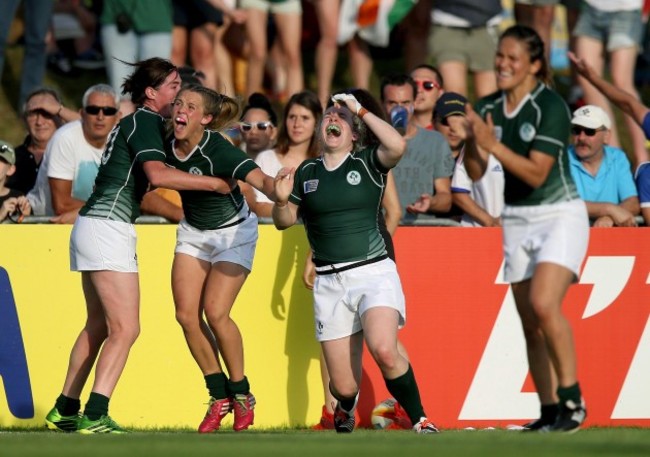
point(191, 75)
point(434, 70)
point(260, 101)
point(397, 79)
point(309, 100)
point(148, 73)
point(224, 109)
point(535, 47)
point(369, 102)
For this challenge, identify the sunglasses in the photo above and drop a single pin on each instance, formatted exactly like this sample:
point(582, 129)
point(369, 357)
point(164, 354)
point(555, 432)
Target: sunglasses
point(246, 127)
point(427, 85)
point(94, 110)
point(576, 130)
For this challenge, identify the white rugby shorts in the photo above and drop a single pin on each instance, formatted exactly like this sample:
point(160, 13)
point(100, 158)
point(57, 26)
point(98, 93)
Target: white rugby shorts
point(340, 299)
point(235, 244)
point(555, 233)
point(103, 244)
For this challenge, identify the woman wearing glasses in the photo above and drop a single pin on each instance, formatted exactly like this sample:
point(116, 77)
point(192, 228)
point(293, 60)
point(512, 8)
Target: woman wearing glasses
point(525, 125)
point(103, 247)
point(214, 249)
point(296, 142)
point(258, 125)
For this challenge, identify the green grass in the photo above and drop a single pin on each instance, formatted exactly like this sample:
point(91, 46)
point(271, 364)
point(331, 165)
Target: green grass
point(590, 442)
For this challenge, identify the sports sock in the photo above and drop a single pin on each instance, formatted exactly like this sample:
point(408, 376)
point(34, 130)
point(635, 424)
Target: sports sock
point(549, 413)
point(570, 393)
point(216, 384)
point(405, 390)
point(97, 406)
point(239, 387)
point(67, 406)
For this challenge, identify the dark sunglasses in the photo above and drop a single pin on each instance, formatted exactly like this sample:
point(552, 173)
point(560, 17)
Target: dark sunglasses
point(246, 127)
point(39, 112)
point(428, 85)
point(94, 110)
point(576, 130)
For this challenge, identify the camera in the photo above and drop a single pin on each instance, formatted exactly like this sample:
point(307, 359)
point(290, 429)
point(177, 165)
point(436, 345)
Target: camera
point(123, 23)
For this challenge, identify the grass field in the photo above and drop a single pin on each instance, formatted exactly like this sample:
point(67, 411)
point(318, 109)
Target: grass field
point(589, 442)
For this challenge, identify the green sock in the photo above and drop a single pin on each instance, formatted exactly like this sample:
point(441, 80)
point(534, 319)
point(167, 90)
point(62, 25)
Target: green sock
point(405, 390)
point(67, 406)
point(216, 384)
point(239, 387)
point(97, 406)
point(570, 393)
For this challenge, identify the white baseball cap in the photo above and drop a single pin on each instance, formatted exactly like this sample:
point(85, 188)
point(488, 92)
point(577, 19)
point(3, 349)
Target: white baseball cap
point(591, 117)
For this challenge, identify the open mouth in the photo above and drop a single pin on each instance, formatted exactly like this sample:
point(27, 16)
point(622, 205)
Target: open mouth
point(333, 129)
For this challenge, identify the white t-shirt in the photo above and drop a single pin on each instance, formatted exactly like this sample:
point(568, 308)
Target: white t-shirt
point(487, 192)
point(616, 5)
point(70, 157)
point(270, 164)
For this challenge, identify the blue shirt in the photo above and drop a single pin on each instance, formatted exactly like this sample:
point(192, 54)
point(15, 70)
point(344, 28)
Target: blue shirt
point(612, 184)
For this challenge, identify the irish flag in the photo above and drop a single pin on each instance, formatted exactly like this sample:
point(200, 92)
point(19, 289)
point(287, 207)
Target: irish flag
point(371, 19)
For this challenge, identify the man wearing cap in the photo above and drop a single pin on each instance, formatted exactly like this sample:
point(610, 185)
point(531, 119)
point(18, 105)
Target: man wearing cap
point(423, 176)
point(12, 202)
point(479, 202)
point(601, 172)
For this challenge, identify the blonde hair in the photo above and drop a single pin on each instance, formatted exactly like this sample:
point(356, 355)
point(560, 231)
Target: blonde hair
point(224, 110)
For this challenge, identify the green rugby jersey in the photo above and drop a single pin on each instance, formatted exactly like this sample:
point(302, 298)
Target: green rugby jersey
point(213, 156)
point(121, 181)
point(339, 207)
point(541, 122)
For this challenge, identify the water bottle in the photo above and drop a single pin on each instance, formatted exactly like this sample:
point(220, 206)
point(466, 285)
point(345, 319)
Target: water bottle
point(399, 118)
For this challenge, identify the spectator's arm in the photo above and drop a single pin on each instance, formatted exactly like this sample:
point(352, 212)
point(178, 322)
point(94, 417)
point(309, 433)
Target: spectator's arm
point(627, 102)
point(261, 209)
point(62, 200)
point(157, 205)
point(465, 202)
point(391, 205)
point(603, 213)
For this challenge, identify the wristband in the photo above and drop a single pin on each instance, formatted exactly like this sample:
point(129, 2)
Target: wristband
point(362, 112)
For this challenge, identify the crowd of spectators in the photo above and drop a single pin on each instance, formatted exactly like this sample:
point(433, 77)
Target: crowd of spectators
point(253, 49)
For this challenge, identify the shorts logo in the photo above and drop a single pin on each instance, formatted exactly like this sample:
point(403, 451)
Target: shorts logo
point(310, 186)
point(353, 178)
point(527, 132)
point(195, 171)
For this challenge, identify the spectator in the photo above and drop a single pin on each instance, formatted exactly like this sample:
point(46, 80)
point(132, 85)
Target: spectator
point(601, 172)
point(637, 111)
point(297, 142)
point(258, 126)
point(37, 21)
point(429, 83)
point(423, 175)
point(327, 13)
point(43, 113)
point(463, 39)
point(287, 15)
point(611, 31)
point(134, 31)
point(480, 202)
point(72, 158)
point(13, 203)
point(416, 26)
point(196, 25)
point(71, 43)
